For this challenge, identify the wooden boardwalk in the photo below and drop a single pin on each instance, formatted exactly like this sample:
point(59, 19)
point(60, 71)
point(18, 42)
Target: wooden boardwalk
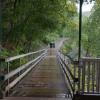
point(44, 82)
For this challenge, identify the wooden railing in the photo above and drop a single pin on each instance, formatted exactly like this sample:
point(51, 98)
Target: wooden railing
point(69, 70)
point(89, 75)
point(82, 77)
point(88, 79)
point(13, 75)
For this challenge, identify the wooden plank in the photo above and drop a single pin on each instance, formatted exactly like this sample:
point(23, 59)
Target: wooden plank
point(34, 98)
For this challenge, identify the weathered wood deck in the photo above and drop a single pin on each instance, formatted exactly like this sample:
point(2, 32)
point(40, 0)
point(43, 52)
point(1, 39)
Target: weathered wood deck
point(44, 82)
point(34, 98)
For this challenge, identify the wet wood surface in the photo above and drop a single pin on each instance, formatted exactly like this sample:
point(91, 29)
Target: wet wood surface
point(44, 82)
point(36, 98)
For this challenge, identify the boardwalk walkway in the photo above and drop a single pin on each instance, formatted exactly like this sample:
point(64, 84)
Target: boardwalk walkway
point(44, 82)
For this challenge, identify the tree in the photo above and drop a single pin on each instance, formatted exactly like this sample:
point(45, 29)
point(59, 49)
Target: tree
point(91, 41)
point(26, 21)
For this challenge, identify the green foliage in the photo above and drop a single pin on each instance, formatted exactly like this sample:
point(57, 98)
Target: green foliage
point(27, 23)
point(4, 53)
point(91, 33)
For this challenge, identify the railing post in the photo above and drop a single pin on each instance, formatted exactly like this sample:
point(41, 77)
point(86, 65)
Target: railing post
point(8, 78)
point(19, 65)
point(79, 75)
point(7, 81)
point(1, 79)
point(93, 76)
point(76, 77)
point(98, 76)
point(83, 75)
point(88, 79)
point(1, 91)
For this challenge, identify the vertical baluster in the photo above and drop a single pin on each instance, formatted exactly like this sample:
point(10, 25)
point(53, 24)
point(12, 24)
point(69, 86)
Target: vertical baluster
point(19, 65)
point(99, 74)
point(98, 77)
point(8, 69)
point(88, 76)
point(93, 76)
point(80, 76)
point(83, 76)
point(79, 73)
point(75, 65)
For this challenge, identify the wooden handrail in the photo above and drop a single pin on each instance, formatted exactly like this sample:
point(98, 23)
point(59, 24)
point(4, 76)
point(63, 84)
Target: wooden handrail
point(90, 75)
point(28, 67)
point(14, 72)
point(90, 58)
point(69, 76)
point(13, 83)
point(23, 55)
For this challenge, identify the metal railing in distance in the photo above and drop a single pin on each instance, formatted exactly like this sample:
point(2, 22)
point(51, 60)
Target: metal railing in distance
point(89, 75)
point(69, 70)
point(12, 77)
